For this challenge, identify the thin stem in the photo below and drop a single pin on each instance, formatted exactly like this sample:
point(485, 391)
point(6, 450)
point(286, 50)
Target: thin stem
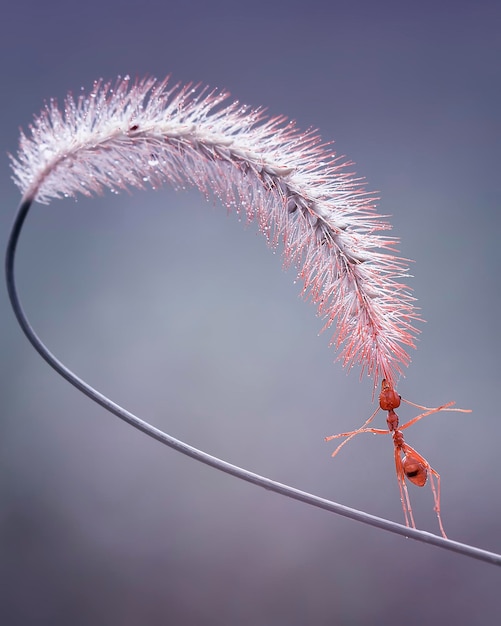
point(199, 455)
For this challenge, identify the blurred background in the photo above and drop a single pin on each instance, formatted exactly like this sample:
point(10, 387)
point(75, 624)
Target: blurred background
point(173, 309)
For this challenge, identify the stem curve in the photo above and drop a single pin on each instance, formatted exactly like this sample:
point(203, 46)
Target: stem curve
point(199, 455)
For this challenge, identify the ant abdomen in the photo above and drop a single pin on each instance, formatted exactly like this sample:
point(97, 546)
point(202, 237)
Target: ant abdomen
point(415, 471)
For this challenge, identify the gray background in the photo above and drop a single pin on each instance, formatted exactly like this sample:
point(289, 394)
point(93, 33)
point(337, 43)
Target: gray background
point(186, 318)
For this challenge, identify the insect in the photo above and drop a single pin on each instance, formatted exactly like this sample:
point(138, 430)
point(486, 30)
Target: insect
point(408, 462)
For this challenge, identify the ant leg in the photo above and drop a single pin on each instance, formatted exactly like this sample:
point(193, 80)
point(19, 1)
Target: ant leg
point(351, 434)
point(444, 407)
point(436, 497)
point(420, 480)
point(404, 494)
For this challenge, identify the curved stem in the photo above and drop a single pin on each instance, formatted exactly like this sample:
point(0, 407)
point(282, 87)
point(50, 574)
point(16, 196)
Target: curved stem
point(199, 455)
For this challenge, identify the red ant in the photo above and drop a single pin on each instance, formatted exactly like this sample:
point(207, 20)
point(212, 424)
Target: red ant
point(411, 465)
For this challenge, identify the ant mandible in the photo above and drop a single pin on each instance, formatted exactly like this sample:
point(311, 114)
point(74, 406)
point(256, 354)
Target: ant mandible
point(408, 463)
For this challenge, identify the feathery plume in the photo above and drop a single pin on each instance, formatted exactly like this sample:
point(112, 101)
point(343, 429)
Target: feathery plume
point(299, 192)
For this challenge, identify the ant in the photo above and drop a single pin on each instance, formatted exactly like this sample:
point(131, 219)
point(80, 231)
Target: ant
point(408, 463)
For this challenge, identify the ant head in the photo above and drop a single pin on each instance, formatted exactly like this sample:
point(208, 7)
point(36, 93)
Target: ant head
point(414, 470)
point(388, 398)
